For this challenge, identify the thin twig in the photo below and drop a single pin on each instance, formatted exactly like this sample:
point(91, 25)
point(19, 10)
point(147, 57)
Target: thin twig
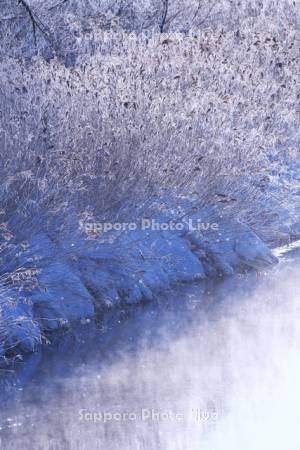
point(35, 21)
point(197, 11)
point(57, 5)
point(209, 12)
point(165, 14)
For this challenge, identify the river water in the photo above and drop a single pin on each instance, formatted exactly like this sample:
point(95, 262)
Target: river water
point(209, 366)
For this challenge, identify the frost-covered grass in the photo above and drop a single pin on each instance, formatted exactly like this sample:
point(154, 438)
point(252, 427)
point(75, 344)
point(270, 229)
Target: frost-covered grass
point(137, 119)
point(172, 127)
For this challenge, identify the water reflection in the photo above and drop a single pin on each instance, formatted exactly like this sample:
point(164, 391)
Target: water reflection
point(202, 369)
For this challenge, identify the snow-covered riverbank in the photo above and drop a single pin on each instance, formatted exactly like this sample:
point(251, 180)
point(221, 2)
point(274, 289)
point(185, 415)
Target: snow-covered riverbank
point(127, 268)
point(205, 366)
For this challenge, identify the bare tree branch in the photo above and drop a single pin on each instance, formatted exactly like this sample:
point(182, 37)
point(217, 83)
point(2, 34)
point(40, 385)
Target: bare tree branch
point(197, 11)
point(164, 16)
point(35, 21)
point(57, 5)
point(208, 13)
point(169, 19)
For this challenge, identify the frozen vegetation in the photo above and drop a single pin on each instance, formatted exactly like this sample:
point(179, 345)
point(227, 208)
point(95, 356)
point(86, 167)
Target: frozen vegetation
point(125, 114)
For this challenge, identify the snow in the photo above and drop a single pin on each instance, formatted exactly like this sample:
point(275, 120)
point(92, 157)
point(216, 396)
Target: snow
point(130, 269)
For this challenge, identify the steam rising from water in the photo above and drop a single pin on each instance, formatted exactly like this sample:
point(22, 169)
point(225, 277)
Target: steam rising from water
point(228, 381)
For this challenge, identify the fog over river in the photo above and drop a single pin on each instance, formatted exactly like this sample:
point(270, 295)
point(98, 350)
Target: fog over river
point(209, 366)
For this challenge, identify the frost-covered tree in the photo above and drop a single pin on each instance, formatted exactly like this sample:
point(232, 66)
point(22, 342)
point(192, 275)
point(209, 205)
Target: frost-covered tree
point(51, 26)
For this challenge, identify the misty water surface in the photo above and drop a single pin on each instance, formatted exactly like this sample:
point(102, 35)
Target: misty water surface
point(203, 368)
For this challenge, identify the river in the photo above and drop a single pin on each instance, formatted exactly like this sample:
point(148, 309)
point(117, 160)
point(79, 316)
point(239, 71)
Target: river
point(208, 366)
